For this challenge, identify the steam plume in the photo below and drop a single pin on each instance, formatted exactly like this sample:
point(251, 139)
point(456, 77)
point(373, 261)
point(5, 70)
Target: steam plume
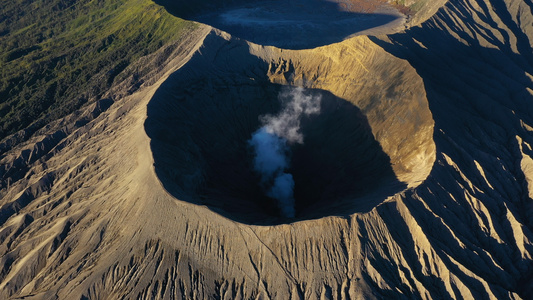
point(271, 145)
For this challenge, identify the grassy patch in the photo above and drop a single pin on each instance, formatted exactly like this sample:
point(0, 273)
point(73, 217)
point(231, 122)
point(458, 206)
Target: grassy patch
point(55, 55)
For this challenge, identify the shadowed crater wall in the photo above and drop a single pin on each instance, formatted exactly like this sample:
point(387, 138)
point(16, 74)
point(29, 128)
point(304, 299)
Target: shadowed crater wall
point(297, 24)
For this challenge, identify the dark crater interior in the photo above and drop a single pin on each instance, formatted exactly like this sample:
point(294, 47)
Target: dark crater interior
point(200, 128)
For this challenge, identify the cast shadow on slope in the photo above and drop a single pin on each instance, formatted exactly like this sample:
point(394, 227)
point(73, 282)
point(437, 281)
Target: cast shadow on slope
point(199, 131)
point(298, 24)
point(479, 92)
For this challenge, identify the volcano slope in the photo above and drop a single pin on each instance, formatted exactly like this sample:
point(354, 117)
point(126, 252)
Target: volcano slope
point(128, 197)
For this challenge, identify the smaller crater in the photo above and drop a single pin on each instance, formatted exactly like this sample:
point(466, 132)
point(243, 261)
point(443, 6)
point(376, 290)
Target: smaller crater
point(296, 24)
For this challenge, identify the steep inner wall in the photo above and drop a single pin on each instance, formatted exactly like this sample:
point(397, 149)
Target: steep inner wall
point(388, 92)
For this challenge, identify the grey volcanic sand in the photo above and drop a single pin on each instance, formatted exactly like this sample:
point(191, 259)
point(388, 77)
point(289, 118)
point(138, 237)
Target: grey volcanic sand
point(301, 24)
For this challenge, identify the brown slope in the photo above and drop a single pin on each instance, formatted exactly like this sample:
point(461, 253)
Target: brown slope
point(124, 235)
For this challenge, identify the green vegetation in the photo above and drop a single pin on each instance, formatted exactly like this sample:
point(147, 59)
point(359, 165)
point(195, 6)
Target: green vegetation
point(55, 55)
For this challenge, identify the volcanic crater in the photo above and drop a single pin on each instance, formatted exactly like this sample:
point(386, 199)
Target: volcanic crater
point(201, 119)
point(204, 157)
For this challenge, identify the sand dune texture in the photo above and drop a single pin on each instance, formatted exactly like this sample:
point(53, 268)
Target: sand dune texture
point(414, 182)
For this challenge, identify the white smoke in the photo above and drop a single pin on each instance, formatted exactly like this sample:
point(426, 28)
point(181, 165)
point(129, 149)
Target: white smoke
point(271, 145)
point(287, 123)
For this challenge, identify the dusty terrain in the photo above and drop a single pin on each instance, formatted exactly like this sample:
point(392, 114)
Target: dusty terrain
point(129, 198)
